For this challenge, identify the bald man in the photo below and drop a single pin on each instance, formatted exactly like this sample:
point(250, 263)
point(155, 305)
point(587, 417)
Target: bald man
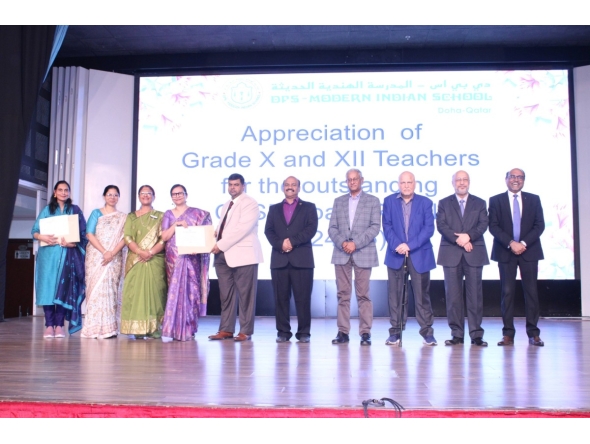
point(290, 227)
point(462, 219)
point(408, 225)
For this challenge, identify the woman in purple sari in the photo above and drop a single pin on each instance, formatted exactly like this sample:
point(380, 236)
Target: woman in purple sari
point(59, 275)
point(188, 274)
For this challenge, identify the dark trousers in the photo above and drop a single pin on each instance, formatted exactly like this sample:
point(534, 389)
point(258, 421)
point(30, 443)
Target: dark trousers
point(237, 288)
point(54, 315)
point(473, 299)
point(300, 281)
point(421, 287)
point(528, 274)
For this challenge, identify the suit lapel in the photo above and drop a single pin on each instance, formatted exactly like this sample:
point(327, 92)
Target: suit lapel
point(295, 212)
point(467, 220)
point(358, 209)
point(234, 208)
point(505, 204)
point(524, 210)
point(457, 208)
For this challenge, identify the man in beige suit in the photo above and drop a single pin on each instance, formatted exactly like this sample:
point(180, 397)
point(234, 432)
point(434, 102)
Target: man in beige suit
point(237, 255)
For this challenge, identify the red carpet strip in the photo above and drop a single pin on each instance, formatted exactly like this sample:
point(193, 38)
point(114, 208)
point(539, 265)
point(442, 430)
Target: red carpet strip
point(49, 410)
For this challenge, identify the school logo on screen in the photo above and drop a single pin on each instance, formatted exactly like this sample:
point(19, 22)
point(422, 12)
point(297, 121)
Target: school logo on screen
point(242, 93)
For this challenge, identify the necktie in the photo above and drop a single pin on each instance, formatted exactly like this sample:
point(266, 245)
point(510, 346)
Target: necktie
point(516, 219)
point(222, 226)
point(462, 202)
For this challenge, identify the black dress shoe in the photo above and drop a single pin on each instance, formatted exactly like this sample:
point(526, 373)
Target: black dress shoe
point(341, 338)
point(536, 341)
point(506, 340)
point(365, 339)
point(454, 341)
point(479, 342)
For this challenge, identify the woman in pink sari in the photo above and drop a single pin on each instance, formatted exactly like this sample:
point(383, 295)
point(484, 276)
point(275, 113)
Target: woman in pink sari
point(104, 266)
point(188, 274)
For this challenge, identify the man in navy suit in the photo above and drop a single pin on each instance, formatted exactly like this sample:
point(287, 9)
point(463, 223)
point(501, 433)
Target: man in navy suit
point(290, 227)
point(517, 222)
point(408, 225)
point(462, 219)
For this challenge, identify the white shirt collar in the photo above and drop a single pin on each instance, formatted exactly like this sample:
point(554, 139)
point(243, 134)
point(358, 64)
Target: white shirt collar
point(511, 194)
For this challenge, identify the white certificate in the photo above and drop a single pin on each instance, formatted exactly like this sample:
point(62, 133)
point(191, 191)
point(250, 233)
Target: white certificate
point(195, 239)
point(65, 226)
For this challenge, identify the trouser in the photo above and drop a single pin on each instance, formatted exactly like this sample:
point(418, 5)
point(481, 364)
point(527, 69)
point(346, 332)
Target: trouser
point(362, 278)
point(421, 287)
point(54, 315)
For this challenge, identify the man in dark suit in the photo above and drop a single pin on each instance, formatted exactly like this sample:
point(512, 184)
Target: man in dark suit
point(354, 224)
point(516, 222)
point(290, 227)
point(462, 219)
point(408, 225)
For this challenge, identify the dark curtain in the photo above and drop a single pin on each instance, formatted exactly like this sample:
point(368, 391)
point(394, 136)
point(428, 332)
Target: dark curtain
point(24, 57)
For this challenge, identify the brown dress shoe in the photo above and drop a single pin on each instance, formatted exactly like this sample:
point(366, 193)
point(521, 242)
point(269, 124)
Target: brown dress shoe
point(506, 340)
point(221, 335)
point(533, 341)
point(242, 337)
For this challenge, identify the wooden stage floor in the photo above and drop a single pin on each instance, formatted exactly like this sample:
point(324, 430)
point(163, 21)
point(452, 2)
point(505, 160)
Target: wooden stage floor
point(263, 373)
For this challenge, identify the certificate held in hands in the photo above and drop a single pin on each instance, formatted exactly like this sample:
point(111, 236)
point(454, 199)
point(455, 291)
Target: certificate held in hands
point(196, 239)
point(65, 226)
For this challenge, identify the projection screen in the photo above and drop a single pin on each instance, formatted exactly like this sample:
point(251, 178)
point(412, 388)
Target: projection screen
point(197, 130)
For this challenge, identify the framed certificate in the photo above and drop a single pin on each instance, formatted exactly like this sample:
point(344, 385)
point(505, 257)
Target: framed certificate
point(65, 226)
point(195, 239)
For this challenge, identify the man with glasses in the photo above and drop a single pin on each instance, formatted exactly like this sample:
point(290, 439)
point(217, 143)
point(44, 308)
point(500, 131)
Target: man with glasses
point(408, 225)
point(462, 219)
point(354, 224)
point(516, 222)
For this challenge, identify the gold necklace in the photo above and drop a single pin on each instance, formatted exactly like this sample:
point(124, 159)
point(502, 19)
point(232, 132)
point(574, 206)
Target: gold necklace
point(148, 219)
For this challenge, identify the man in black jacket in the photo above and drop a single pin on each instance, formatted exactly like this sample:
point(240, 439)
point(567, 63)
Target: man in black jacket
point(290, 227)
point(462, 219)
point(516, 222)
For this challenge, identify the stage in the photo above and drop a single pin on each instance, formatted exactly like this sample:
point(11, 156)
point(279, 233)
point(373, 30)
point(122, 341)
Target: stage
point(261, 373)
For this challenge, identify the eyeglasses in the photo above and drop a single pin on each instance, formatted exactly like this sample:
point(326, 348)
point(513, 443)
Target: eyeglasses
point(143, 193)
point(513, 177)
point(354, 179)
point(177, 194)
point(112, 195)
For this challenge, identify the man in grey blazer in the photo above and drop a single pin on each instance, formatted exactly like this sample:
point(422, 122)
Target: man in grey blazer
point(354, 223)
point(462, 219)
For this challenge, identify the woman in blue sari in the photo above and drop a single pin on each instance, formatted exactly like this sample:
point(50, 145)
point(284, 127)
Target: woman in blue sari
point(59, 275)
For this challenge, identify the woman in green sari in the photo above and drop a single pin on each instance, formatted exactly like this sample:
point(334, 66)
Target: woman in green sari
point(145, 288)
